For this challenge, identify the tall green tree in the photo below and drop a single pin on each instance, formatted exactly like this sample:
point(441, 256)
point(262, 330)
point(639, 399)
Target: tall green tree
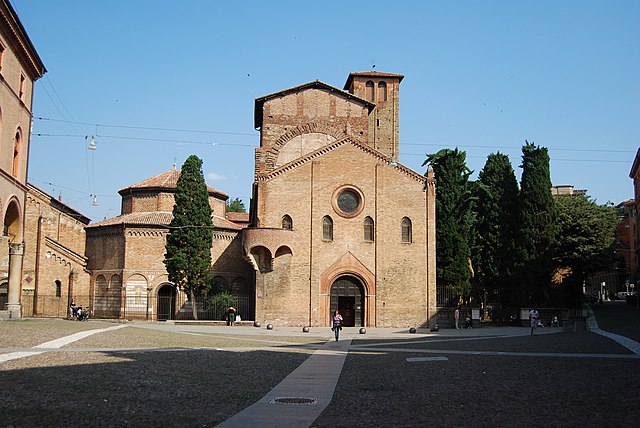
point(453, 219)
point(188, 247)
point(586, 240)
point(537, 228)
point(236, 206)
point(496, 222)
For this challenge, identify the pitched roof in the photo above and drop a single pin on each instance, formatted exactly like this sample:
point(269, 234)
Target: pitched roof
point(311, 85)
point(59, 205)
point(336, 145)
point(166, 180)
point(238, 217)
point(158, 219)
point(153, 218)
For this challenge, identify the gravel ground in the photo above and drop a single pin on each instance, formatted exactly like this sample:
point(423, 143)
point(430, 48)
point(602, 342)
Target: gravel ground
point(201, 379)
point(181, 384)
point(29, 332)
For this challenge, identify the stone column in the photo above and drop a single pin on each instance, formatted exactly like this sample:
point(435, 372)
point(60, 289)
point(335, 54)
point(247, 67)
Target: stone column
point(16, 253)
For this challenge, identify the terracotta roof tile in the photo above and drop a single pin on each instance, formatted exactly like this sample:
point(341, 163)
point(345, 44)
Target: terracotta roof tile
point(238, 217)
point(223, 223)
point(158, 218)
point(166, 180)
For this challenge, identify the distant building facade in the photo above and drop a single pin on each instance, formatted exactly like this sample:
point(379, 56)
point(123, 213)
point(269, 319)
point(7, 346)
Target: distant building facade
point(634, 174)
point(125, 253)
point(54, 266)
point(20, 67)
point(567, 189)
point(626, 235)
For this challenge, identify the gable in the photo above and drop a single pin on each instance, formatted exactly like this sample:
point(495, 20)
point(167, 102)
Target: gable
point(360, 150)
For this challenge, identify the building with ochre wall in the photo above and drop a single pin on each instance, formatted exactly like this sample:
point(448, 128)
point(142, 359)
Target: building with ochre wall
point(54, 266)
point(20, 67)
point(337, 223)
point(126, 253)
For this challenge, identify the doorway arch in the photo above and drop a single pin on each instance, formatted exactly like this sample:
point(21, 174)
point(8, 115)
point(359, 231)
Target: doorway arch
point(347, 296)
point(166, 302)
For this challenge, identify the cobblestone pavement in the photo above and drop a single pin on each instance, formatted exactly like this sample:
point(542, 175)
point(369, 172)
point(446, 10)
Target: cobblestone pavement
point(157, 375)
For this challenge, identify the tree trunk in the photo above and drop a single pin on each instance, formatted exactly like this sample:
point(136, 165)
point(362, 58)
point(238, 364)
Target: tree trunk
point(194, 304)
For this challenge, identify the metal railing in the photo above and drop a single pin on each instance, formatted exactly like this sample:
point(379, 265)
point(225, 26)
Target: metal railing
point(136, 307)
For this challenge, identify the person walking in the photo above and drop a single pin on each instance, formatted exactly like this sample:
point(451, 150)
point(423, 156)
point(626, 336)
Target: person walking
point(533, 319)
point(336, 324)
point(456, 316)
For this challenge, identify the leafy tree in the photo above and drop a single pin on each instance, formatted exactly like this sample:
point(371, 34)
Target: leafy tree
point(496, 222)
point(453, 219)
point(221, 302)
point(188, 247)
point(236, 206)
point(586, 239)
point(537, 228)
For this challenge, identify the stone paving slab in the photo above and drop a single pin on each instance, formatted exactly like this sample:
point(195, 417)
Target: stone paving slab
point(302, 396)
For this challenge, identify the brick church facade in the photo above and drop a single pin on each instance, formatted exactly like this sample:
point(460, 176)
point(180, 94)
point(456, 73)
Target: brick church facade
point(336, 222)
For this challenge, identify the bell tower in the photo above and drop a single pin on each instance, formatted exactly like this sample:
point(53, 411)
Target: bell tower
point(382, 89)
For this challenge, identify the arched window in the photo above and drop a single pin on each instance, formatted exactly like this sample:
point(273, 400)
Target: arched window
point(287, 223)
point(116, 282)
point(369, 91)
point(58, 288)
point(382, 91)
point(327, 228)
point(219, 284)
point(406, 229)
point(368, 229)
point(16, 154)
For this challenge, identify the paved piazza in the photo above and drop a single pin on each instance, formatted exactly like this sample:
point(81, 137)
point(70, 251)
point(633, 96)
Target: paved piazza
point(100, 373)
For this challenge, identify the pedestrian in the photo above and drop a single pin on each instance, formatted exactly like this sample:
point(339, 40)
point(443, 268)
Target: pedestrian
point(231, 315)
point(456, 316)
point(336, 324)
point(467, 322)
point(72, 309)
point(533, 319)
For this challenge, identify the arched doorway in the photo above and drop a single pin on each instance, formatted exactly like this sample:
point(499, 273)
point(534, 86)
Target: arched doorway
point(166, 302)
point(347, 296)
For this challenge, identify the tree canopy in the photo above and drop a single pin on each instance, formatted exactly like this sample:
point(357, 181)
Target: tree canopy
point(537, 227)
point(236, 206)
point(586, 240)
point(496, 222)
point(188, 247)
point(453, 218)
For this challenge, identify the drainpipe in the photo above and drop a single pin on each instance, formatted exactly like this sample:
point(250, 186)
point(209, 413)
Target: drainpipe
point(310, 241)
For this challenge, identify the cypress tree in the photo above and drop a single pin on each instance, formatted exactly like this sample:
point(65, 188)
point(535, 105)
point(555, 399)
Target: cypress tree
point(496, 220)
point(537, 228)
point(453, 219)
point(188, 247)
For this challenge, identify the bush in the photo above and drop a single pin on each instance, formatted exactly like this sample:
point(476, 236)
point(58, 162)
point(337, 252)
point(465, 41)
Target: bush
point(220, 302)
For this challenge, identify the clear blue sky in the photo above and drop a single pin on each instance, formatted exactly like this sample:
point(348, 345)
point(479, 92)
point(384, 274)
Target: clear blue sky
point(483, 76)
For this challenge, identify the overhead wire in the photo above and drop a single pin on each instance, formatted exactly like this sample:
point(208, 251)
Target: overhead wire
point(170, 140)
